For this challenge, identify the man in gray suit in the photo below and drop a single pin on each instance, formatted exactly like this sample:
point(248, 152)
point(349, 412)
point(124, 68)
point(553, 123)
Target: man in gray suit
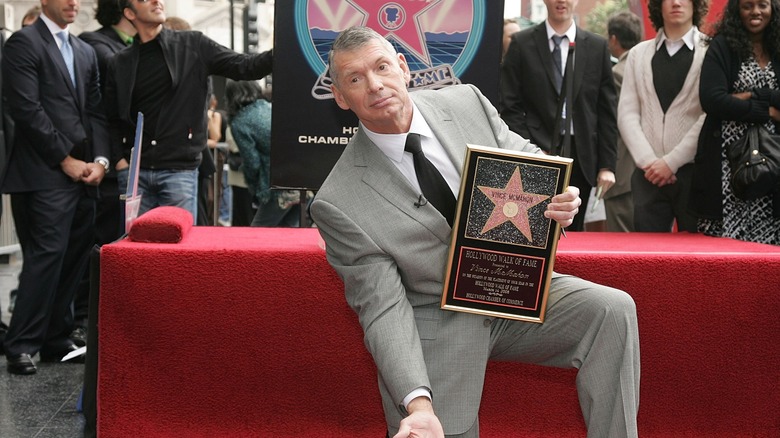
point(390, 249)
point(624, 30)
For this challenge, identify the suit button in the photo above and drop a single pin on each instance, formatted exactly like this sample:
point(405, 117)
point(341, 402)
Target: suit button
point(487, 322)
point(154, 142)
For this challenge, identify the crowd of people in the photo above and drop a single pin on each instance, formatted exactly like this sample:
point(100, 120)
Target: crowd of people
point(648, 134)
point(655, 148)
point(73, 103)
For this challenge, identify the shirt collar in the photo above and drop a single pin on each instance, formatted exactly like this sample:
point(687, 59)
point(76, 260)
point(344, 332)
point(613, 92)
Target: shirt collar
point(570, 33)
point(54, 28)
point(127, 39)
point(689, 39)
point(392, 145)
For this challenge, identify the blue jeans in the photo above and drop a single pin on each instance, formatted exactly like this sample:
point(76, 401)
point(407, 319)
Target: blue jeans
point(177, 188)
point(226, 203)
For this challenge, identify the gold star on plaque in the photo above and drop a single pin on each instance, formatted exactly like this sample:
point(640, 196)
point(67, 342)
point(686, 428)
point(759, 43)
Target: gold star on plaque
point(511, 204)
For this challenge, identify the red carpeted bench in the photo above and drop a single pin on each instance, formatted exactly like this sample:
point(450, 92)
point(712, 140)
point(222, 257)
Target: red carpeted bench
point(244, 332)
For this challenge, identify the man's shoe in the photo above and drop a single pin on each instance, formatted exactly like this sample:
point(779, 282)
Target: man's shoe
point(56, 356)
point(79, 336)
point(21, 364)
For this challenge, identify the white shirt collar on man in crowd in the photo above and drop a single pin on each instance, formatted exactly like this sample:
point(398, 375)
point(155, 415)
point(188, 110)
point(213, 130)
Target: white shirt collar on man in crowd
point(673, 46)
point(54, 28)
point(570, 33)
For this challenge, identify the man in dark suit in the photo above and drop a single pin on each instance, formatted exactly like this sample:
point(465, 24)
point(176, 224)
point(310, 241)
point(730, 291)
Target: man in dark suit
point(530, 96)
point(59, 154)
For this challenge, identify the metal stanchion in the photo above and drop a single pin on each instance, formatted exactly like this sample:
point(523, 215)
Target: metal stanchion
point(217, 182)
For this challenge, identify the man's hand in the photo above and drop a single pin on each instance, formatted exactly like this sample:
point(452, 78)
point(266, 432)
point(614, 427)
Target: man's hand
point(75, 169)
point(421, 422)
point(774, 114)
point(659, 173)
point(93, 174)
point(122, 164)
point(605, 180)
point(562, 208)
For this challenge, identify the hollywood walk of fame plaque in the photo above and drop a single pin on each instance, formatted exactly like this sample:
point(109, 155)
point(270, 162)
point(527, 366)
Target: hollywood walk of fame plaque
point(503, 248)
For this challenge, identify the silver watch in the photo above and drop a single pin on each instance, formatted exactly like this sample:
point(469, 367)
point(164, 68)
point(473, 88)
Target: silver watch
point(103, 162)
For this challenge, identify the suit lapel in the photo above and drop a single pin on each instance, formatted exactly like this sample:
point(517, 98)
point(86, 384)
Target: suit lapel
point(389, 183)
point(543, 50)
point(581, 60)
point(81, 62)
point(53, 50)
point(449, 133)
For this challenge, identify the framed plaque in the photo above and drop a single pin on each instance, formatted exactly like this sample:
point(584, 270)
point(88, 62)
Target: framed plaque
point(503, 248)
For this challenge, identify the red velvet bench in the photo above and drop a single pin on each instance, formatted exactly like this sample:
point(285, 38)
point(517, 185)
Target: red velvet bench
point(244, 332)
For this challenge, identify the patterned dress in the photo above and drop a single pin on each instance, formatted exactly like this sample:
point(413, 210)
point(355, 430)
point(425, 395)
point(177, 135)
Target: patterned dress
point(752, 221)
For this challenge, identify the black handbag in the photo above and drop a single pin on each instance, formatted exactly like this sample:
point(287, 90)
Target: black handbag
point(755, 163)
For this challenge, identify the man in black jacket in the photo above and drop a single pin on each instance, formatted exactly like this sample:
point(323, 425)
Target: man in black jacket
point(116, 34)
point(164, 75)
point(532, 87)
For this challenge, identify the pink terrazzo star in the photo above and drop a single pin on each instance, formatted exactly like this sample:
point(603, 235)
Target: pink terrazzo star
point(511, 204)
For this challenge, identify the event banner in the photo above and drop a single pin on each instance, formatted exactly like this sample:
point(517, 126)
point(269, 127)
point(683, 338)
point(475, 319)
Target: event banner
point(503, 248)
point(445, 42)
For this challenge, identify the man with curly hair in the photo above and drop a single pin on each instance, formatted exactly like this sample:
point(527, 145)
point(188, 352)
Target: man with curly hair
point(660, 116)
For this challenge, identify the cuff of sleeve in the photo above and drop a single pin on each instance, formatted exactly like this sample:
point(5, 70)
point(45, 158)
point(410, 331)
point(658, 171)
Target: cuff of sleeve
point(759, 110)
point(419, 392)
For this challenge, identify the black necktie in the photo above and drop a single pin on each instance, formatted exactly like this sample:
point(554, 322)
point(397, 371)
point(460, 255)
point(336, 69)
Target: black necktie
point(433, 185)
point(557, 67)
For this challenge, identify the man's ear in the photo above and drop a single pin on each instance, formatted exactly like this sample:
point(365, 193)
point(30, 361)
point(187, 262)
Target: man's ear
point(404, 68)
point(129, 14)
point(339, 98)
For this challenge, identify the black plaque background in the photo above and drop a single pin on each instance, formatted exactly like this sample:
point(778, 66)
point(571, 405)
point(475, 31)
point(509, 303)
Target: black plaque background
point(538, 175)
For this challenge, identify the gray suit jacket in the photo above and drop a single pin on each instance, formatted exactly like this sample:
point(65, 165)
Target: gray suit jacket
point(392, 255)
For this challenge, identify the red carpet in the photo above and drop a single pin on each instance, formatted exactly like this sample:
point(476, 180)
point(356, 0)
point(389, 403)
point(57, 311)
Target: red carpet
point(245, 332)
point(709, 322)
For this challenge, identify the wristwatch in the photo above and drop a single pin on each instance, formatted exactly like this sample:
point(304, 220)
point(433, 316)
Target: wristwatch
point(103, 162)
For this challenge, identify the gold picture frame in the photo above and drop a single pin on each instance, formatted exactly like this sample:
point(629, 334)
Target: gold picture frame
point(502, 251)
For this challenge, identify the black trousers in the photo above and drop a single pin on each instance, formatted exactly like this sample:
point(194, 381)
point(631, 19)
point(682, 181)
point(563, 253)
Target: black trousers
point(55, 229)
point(109, 226)
point(578, 180)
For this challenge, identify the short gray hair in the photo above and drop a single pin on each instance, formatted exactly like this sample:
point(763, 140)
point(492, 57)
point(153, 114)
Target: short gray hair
point(351, 39)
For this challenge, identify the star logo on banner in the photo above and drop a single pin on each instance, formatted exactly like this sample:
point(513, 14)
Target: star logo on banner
point(511, 204)
point(400, 20)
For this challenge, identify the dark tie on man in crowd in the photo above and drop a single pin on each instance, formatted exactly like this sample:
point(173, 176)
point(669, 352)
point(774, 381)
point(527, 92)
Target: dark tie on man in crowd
point(531, 84)
point(557, 67)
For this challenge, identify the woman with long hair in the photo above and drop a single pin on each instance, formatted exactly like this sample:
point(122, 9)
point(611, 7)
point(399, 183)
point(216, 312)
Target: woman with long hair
point(249, 115)
point(739, 87)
